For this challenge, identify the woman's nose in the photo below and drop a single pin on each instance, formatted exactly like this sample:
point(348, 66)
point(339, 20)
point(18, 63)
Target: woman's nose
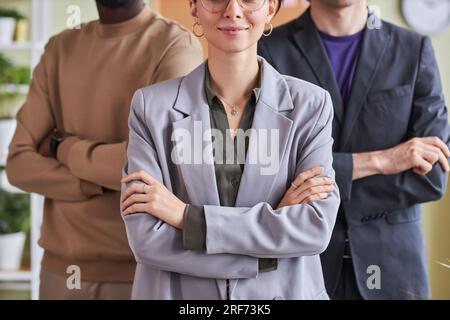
point(233, 10)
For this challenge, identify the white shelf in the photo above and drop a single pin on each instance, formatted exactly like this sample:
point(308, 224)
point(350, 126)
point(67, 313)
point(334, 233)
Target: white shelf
point(15, 275)
point(14, 88)
point(23, 46)
point(22, 285)
point(40, 25)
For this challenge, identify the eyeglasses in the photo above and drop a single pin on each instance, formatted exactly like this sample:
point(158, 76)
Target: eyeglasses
point(216, 6)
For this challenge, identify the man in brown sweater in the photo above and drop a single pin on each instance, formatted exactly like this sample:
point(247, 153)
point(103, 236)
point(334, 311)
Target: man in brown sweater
point(71, 138)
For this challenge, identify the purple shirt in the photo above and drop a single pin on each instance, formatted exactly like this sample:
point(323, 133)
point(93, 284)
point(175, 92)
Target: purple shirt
point(343, 53)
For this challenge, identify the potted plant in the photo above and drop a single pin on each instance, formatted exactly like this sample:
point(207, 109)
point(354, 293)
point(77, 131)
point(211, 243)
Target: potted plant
point(13, 89)
point(14, 226)
point(8, 18)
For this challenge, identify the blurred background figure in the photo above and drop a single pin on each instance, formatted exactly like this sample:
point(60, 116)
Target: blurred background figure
point(391, 137)
point(71, 138)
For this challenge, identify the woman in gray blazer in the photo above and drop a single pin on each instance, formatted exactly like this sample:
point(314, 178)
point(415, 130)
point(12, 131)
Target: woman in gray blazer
point(210, 157)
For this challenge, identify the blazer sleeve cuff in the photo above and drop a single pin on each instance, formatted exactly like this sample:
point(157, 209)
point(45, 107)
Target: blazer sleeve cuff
point(194, 228)
point(343, 166)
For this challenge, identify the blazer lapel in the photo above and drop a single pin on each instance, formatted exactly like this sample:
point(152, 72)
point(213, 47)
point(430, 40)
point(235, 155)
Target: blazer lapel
point(193, 148)
point(308, 40)
point(373, 47)
point(268, 140)
point(199, 176)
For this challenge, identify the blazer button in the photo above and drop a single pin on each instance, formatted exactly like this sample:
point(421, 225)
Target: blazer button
point(278, 298)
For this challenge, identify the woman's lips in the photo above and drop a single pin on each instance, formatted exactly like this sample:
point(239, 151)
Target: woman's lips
point(232, 30)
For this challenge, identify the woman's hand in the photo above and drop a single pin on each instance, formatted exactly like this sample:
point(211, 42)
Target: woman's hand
point(152, 197)
point(307, 187)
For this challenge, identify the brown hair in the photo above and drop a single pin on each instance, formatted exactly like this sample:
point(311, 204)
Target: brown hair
point(279, 5)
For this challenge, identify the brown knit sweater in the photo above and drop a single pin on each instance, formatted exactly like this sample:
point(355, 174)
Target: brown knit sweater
point(83, 85)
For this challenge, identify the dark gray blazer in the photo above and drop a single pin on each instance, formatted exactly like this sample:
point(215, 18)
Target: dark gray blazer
point(396, 95)
point(161, 118)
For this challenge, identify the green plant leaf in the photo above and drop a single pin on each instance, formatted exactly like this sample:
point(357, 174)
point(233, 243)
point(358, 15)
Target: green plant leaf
point(14, 212)
point(11, 13)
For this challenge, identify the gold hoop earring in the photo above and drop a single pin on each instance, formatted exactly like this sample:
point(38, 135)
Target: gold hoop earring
point(193, 30)
point(270, 31)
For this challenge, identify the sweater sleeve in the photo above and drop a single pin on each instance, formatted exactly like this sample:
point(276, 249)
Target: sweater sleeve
point(26, 168)
point(94, 161)
point(101, 163)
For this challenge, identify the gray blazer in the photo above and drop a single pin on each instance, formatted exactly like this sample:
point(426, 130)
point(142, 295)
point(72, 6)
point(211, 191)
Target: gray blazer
point(301, 114)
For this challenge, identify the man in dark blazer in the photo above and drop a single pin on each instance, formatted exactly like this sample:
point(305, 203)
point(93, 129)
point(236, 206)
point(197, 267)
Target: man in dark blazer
point(391, 135)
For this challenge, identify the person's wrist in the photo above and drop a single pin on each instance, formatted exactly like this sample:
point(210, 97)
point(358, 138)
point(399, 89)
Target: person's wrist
point(180, 216)
point(63, 153)
point(367, 164)
point(57, 139)
point(378, 161)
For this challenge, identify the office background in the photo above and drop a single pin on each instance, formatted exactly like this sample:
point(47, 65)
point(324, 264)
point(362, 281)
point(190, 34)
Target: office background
point(50, 17)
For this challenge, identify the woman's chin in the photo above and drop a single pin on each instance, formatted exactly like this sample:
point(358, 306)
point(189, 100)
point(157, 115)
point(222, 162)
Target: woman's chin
point(235, 47)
